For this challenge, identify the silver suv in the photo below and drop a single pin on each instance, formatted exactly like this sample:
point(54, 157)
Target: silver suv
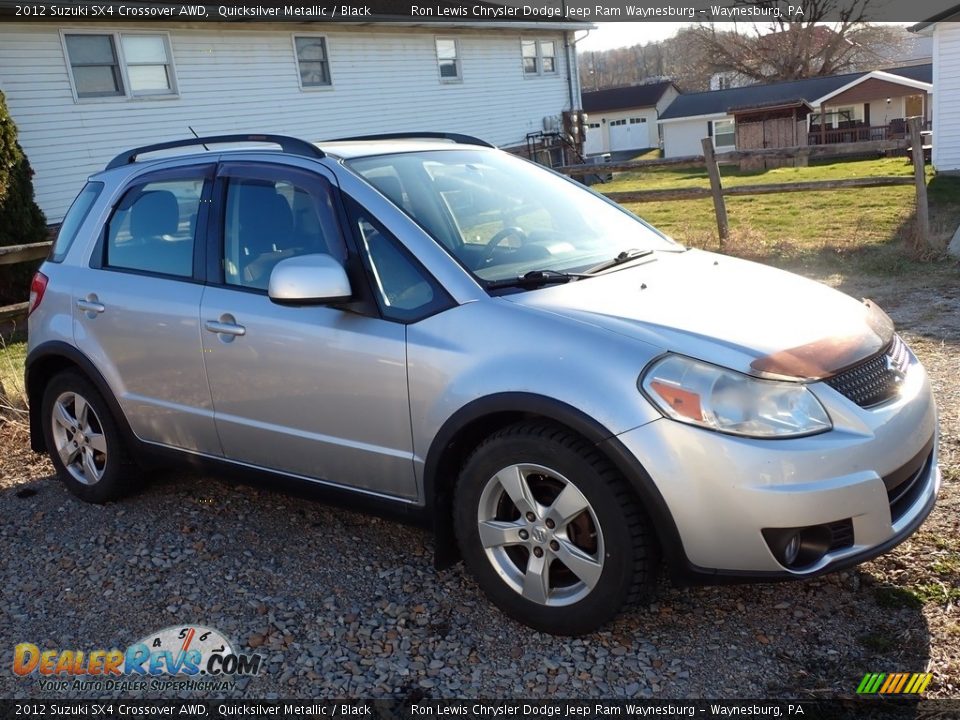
point(566, 394)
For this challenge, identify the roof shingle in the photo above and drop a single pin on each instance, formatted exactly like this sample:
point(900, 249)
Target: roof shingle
point(625, 98)
point(716, 102)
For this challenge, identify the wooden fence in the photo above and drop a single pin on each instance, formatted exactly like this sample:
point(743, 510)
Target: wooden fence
point(12, 255)
point(24, 253)
point(711, 161)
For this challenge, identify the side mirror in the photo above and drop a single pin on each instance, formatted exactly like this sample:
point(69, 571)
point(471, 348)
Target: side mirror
point(309, 280)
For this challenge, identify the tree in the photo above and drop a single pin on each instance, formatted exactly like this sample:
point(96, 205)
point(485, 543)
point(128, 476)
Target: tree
point(679, 58)
point(831, 39)
point(21, 220)
point(686, 62)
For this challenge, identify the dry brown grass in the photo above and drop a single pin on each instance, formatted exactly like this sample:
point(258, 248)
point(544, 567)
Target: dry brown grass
point(13, 395)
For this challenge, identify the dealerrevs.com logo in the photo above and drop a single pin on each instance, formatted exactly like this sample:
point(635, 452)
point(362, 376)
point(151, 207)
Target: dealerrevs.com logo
point(178, 657)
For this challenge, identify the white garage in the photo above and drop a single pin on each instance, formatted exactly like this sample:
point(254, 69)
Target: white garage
point(625, 118)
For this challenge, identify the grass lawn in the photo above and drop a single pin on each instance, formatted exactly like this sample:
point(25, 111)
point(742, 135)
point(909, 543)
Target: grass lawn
point(12, 397)
point(868, 226)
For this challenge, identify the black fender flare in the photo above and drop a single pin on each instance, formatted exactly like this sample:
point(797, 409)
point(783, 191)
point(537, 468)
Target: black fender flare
point(437, 490)
point(59, 349)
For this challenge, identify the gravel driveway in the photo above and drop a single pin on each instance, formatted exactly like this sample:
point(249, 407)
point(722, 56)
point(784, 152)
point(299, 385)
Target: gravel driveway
point(344, 604)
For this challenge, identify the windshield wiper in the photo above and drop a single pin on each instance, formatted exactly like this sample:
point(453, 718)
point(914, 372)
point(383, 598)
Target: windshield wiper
point(534, 278)
point(624, 257)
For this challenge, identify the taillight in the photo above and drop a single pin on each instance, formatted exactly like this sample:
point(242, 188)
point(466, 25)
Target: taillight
point(37, 287)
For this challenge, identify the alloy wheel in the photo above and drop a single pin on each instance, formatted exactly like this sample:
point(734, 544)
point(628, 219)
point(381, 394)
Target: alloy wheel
point(541, 534)
point(79, 438)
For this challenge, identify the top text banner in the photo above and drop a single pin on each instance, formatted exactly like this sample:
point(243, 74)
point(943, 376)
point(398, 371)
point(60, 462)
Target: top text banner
point(573, 12)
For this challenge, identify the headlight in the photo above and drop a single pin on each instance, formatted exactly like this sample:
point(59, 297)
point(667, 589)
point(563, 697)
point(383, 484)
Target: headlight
point(701, 394)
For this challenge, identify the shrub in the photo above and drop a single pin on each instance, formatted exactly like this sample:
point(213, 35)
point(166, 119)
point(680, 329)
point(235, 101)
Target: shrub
point(21, 220)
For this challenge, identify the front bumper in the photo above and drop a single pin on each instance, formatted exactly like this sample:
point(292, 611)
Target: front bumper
point(722, 491)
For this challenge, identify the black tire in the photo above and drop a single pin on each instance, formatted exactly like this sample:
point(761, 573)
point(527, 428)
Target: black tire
point(628, 547)
point(117, 475)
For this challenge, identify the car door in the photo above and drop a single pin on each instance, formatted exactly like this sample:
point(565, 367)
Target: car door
point(137, 308)
point(314, 391)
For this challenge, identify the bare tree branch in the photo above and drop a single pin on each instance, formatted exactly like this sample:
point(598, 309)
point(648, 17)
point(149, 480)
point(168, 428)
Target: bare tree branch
point(834, 37)
point(821, 44)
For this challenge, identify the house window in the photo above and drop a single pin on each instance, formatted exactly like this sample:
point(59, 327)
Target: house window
point(93, 61)
point(724, 134)
point(539, 57)
point(844, 115)
point(120, 64)
point(148, 64)
point(529, 51)
point(312, 61)
point(637, 121)
point(548, 56)
point(448, 59)
point(614, 123)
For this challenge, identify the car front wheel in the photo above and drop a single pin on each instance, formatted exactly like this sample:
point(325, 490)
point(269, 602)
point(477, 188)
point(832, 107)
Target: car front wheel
point(552, 533)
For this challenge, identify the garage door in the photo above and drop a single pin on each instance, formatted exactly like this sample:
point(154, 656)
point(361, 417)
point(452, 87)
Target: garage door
point(629, 134)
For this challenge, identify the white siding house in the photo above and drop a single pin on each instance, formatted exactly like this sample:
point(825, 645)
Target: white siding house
point(946, 98)
point(946, 83)
point(75, 110)
point(854, 107)
point(682, 136)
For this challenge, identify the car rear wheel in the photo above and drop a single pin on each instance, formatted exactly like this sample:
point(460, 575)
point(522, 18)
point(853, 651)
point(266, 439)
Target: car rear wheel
point(550, 530)
point(83, 441)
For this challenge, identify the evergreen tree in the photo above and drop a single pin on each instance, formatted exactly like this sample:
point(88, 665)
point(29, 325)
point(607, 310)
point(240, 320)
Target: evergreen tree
point(21, 220)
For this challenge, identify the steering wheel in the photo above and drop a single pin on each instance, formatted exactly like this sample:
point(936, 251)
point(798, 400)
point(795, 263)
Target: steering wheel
point(511, 230)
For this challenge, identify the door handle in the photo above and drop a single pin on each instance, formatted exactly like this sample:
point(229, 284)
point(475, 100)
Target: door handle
point(91, 305)
point(225, 328)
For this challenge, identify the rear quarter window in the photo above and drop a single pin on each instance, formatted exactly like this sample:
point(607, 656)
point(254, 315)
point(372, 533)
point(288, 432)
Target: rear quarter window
point(74, 219)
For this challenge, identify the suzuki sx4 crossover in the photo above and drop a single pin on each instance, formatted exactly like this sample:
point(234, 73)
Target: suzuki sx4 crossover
point(571, 398)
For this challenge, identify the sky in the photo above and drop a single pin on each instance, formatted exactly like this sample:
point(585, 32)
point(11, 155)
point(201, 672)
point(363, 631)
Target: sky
point(622, 34)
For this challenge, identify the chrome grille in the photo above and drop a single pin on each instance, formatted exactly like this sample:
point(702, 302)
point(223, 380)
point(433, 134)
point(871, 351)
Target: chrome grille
point(875, 380)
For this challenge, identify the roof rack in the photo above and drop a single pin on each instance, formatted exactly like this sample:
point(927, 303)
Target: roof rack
point(454, 137)
point(291, 145)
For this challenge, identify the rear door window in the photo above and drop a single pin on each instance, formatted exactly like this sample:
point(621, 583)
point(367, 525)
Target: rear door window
point(154, 227)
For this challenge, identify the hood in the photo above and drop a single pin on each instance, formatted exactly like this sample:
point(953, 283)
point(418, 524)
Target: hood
point(735, 313)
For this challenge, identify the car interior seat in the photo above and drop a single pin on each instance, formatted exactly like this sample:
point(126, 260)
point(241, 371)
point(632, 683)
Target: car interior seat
point(154, 242)
point(265, 232)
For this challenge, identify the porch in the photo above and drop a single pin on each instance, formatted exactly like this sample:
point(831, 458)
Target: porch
point(877, 107)
point(858, 131)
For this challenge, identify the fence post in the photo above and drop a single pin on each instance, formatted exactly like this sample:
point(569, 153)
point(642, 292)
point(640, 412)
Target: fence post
point(716, 189)
point(922, 241)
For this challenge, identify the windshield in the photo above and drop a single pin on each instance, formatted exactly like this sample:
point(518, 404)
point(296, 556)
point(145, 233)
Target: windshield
point(502, 217)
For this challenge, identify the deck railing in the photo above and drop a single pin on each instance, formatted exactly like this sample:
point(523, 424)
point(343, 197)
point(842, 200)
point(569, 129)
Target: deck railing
point(859, 132)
